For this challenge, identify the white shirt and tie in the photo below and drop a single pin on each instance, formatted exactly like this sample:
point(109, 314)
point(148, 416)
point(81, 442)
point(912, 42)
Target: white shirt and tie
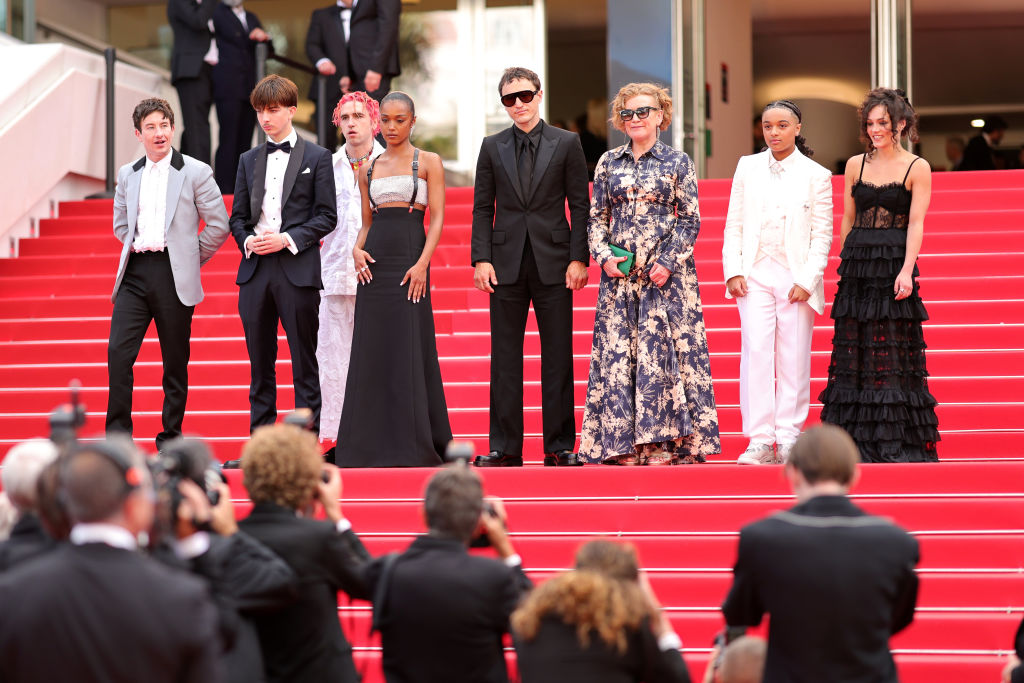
point(151, 223)
point(273, 195)
point(346, 24)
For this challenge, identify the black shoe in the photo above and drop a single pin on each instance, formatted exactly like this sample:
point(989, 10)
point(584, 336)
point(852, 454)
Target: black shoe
point(498, 459)
point(232, 465)
point(562, 459)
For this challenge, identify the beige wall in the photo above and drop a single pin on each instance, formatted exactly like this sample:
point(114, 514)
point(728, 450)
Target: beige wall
point(728, 28)
point(84, 16)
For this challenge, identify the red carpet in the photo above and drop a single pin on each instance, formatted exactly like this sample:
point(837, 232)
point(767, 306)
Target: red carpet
point(966, 511)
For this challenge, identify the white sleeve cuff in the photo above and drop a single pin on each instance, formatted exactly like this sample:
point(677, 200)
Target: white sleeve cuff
point(669, 641)
point(320, 61)
point(343, 525)
point(291, 243)
point(513, 560)
point(248, 249)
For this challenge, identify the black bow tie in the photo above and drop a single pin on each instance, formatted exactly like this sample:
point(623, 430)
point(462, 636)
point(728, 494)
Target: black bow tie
point(285, 147)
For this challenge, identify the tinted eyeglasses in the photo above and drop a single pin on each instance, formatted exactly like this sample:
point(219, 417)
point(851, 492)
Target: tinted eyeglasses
point(524, 96)
point(641, 113)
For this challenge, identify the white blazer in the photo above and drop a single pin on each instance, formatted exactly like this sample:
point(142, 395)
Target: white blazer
point(808, 222)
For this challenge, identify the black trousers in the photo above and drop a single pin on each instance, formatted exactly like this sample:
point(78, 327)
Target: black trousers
point(147, 294)
point(262, 301)
point(236, 119)
point(196, 96)
point(510, 305)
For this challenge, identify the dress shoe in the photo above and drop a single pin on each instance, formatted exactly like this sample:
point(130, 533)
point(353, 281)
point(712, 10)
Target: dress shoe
point(498, 459)
point(232, 464)
point(562, 459)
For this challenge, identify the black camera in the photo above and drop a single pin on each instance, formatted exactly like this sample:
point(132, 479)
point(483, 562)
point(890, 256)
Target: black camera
point(67, 418)
point(724, 637)
point(481, 540)
point(182, 459)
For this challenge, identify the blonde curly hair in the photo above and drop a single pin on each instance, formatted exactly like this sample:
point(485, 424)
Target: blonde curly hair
point(631, 90)
point(600, 596)
point(281, 464)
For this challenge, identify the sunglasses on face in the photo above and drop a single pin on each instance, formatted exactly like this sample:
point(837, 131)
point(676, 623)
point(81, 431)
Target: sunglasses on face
point(641, 113)
point(525, 96)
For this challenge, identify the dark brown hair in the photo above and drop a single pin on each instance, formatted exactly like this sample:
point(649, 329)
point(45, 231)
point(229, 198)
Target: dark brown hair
point(790, 105)
point(274, 89)
point(149, 106)
point(897, 106)
point(514, 73)
point(825, 453)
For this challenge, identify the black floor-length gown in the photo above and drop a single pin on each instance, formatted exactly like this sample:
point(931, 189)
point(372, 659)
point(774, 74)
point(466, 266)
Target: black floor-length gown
point(394, 413)
point(877, 380)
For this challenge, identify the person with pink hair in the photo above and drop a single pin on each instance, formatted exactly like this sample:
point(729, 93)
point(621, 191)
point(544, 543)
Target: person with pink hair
point(358, 117)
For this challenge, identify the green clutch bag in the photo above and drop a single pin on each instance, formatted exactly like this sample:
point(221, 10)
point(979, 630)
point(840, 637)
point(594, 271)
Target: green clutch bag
point(618, 252)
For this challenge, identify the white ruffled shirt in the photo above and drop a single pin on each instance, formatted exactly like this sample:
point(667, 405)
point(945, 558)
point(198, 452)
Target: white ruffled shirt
point(337, 268)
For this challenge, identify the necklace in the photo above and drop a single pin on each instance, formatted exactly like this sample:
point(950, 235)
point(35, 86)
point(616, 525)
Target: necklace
point(356, 163)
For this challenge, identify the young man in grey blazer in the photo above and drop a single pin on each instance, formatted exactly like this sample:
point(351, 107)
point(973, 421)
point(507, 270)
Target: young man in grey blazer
point(158, 204)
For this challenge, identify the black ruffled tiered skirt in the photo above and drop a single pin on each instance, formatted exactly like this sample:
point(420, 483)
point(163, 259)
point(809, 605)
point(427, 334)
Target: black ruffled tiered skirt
point(877, 380)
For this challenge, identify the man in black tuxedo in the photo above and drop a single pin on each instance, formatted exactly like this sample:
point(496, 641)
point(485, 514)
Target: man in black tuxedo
point(354, 43)
point(836, 582)
point(284, 205)
point(95, 609)
point(20, 475)
point(303, 642)
point(523, 250)
point(234, 76)
point(979, 155)
point(192, 58)
point(441, 611)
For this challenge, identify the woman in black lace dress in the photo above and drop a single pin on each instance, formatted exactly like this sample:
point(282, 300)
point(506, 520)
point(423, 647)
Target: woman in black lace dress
point(877, 381)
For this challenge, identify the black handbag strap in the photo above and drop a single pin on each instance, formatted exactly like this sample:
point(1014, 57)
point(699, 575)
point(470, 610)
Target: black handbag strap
point(380, 593)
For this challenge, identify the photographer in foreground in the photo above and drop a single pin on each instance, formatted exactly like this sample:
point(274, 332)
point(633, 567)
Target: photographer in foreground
point(442, 612)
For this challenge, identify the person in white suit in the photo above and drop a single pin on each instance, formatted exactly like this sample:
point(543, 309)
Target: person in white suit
point(778, 233)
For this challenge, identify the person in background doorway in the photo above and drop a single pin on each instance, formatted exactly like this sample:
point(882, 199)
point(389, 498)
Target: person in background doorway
point(955, 152)
point(193, 56)
point(979, 155)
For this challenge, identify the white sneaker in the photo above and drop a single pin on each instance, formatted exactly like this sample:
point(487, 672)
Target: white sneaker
point(782, 452)
point(757, 454)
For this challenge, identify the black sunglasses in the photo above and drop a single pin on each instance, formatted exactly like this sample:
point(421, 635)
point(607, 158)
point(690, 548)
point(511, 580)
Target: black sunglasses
point(641, 113)
point(525, 96)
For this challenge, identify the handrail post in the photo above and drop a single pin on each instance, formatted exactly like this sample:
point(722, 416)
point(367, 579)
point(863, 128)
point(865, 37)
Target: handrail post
point(262, 54)
point(321, 111)
point(110, 56)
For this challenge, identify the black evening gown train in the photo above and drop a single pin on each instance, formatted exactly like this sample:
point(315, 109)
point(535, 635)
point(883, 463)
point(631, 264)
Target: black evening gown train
point(877, 380)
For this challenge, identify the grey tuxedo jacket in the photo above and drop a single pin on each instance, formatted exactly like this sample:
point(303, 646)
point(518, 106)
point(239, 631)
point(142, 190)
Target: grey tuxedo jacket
point(192, 194)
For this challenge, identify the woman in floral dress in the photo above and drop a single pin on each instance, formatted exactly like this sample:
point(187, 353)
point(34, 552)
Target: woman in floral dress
point(649, 395)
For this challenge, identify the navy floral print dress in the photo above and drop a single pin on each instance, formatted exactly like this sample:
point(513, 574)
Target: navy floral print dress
point(649, 390)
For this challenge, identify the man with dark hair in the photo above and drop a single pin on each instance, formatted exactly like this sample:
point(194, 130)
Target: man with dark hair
point(441, 611)
point(836, 582)
point(303, 641)
point(158, 204)
point(354, 43)
point(979, 155)
point(523, 250)
point(121, 616)
point(193, 55)
point(284, 205)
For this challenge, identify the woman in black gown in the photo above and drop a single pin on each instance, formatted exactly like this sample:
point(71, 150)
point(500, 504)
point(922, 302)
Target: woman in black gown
point(394, 412)
point(877, 381)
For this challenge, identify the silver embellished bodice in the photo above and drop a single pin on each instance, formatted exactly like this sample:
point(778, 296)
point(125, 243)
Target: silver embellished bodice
point(397, 188)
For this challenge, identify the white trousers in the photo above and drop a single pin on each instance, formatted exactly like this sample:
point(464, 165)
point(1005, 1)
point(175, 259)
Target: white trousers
point(775, 363)
point(333, 348)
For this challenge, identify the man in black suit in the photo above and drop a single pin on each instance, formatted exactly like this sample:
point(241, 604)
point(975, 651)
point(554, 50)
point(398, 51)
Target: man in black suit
point(20, 474)
point(303, 642)
point(523, 250)
point(441, 611)
point(95, 609)
point(234, 76)
point(354, 43)
point(979, 155)
point(284, 205)
point(836, 582)
point(192, 58)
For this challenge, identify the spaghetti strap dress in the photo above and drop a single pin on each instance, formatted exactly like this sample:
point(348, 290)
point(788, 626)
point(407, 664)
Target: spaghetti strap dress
point(395, 414)
point(877, 380)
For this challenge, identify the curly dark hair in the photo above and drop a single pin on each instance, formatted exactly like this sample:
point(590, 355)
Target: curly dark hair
point(899, 109)
point(281, 464)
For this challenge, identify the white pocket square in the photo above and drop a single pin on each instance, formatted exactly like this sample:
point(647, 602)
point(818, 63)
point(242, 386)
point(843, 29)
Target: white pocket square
point(305, 172)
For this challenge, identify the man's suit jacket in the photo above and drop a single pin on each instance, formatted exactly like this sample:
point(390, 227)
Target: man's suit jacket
point(192, 194)
point(808, 221)
point(94, 613)
point(555, 655)
point(504, 213)
point(977, 155)
point(27, 540)
point(308, 211)
point(445, 613)
point(372, 45)
point(836, 582)
point(303, 642)
point(234, 76)
point(190, 23)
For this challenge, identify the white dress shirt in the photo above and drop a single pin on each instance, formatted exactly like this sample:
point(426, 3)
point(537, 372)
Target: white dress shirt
point(772, 241)
point(337, 269)
point(346, 17)
point(240, 13)
point(212, 55)
point(273, 191)
point(108, 534)
point(151, 225)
